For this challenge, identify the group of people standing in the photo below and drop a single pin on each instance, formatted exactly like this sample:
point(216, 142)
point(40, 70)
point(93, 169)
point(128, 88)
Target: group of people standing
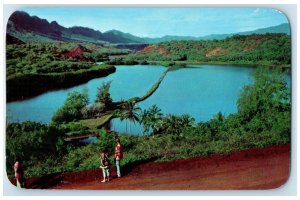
point(105, 164)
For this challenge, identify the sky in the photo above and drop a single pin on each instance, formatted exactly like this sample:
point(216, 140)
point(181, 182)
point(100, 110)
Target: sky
point(158, 22)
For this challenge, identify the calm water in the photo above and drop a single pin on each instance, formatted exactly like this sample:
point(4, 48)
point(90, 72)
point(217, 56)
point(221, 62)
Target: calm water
point(200, 90)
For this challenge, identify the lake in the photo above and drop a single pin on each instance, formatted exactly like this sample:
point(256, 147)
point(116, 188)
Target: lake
point(198, 90)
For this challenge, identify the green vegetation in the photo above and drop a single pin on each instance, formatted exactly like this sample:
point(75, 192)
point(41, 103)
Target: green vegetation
point(130, 112)
point(151, 118)
point(47, 66)
point(75, 129)
point(268, 49)
point(37, 58)
point(103, 96)
point(72, 107)
point(95, 123)
point(263, 118)
point(33, 143)
point(28, 85)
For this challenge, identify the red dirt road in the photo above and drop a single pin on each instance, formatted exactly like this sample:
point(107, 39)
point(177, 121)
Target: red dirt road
point(262, 168)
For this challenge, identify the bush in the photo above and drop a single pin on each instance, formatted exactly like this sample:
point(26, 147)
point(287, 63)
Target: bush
point(106, 140)
point(72, 107)
point(32, 142)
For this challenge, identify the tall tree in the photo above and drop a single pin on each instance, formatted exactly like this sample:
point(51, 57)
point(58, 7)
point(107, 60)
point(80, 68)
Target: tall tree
point(103, 95)
point(154, 117)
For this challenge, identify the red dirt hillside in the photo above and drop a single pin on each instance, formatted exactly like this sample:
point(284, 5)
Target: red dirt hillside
point(76, 52)
point(259, 168)
point(161, 50)
point(257, 39)
point(214, 52)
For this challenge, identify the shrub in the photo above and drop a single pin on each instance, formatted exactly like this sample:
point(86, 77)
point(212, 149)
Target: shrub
point(71, 110)
point(32, 142)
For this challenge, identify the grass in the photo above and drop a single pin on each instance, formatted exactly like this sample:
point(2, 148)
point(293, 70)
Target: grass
point(96, 123)
point(161, 148)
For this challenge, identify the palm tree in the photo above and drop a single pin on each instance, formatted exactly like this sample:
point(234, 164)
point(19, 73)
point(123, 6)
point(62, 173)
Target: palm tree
point(170, 123)
point(131, 113)
point(155, 118)
point(175, 124)
point(145, 120)
point(151, 118)
point(187, 121)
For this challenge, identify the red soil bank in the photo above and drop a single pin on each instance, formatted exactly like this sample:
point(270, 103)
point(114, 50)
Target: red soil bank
point(260, 168)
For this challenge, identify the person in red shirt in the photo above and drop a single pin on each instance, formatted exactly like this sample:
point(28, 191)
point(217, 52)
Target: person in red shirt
point(118, 156)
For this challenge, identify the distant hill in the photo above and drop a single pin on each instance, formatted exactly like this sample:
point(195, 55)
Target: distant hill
point(28, 28)
point(282, 28)
point(254, 49)
point(115, 36)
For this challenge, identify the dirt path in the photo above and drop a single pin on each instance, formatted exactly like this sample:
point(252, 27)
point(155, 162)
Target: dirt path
point(252, 169)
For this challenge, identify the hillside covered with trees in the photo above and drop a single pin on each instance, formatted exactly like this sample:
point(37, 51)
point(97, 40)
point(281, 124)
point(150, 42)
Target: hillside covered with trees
point(267, 49)
point(33, 68)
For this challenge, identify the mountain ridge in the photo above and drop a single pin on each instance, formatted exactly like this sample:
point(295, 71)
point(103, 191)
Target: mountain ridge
point(28, 28)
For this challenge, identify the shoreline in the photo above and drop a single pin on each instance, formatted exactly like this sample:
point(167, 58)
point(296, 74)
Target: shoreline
point(24, 87)
point(220, 63)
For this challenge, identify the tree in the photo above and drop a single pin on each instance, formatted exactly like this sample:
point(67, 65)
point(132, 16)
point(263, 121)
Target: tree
point(151, 118)
point(145, 121)
point(131, 113)
point(260, 104)
point(173, 124)
point(71, 110)
point(103, 95)
point(32, 142)
point(187, 121)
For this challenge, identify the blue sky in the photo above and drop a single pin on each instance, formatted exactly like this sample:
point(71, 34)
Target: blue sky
point(157, 22)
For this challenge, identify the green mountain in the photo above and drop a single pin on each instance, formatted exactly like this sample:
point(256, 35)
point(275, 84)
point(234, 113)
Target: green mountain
point(115, 36)
point(281, 28)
